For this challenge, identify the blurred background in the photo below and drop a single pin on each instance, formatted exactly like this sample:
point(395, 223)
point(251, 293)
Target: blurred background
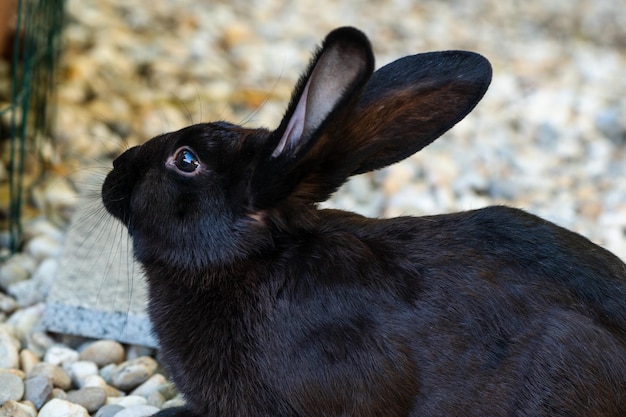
point(548, 137)
point(83, 80)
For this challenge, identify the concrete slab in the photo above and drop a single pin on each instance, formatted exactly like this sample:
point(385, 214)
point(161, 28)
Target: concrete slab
point(99, 291)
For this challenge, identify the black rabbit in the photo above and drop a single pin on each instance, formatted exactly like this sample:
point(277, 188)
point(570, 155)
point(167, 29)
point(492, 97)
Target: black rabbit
point(265, 305)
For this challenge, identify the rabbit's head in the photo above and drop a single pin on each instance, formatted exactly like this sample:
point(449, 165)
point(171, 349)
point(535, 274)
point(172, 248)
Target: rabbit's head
point(211, 194)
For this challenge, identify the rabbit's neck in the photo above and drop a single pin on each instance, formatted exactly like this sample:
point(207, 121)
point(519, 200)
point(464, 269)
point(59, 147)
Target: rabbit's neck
point(208, 334)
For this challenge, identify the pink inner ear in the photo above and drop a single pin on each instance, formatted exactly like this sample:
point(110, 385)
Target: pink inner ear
point(336, 69)
point(295, 127)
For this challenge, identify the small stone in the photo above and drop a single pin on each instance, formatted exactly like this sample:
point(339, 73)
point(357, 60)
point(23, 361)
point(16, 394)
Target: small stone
point(103, 352)
point(138, 411)
point(43, 246)
point(26, 293)
point(130, 374)
point(42, 226)
point(151, 385)
point(58, 393)
point(109, 410)
point(156, 399)
point(60, 198)
point(107, 372)
point(8, 331)
point(39, 343)
point(12, 387)
point(98, 381)
point(168, 391)
point(9, 353)
point(36, 289)
point(127, 401)
point(92, 398)
point(7, 304)
point(17, 268)
point(46, 271)
point(28, 360)
point(80, 370)
point(54, 373)
point(58, 408)
point(60, 355)
point(25, 320)
point(13, 408)
point(37, 390)
point(174, 402)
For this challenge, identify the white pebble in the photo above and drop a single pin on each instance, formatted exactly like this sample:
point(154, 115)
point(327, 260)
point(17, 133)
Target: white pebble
point(60, 195)
point(42, 226)
point(8, 332)
point(45, 273)
point(42, 247)
point(9, 348)
point(9, 355)
point(25, 320)
point(7, 304)
point(80, 370)
point(60, 355)
point(62, 408)
point(26, 293)
point(98, 381)
point(94, 381)
point(110, 410)
point(12, 387)
point(128, 401)
point(174, 402)
point(39, 343)
point(138, 411)
point(151, 385)
point(17, 268)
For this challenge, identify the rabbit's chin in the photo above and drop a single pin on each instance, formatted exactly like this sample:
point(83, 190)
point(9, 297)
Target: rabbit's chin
point(217, 246)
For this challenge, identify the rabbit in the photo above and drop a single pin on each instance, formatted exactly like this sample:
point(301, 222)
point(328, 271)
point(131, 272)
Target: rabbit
point(263, 304)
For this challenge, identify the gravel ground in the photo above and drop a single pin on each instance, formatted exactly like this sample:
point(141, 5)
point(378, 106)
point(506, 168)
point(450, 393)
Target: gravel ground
point(549, 137)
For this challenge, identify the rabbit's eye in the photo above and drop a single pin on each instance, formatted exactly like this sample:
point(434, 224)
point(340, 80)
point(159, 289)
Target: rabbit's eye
point(186, 161)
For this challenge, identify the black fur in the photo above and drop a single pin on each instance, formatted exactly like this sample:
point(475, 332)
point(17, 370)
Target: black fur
point(264, 305)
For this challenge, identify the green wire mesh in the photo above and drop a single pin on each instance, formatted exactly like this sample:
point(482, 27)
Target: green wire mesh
point(30, 111)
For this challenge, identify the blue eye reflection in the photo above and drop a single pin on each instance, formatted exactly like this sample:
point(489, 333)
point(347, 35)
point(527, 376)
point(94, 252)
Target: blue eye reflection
point(186, 161)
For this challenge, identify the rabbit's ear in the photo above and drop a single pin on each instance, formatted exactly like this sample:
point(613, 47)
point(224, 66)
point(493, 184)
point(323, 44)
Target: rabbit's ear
point(341, 122)
point(409, 103)
point(324, 96)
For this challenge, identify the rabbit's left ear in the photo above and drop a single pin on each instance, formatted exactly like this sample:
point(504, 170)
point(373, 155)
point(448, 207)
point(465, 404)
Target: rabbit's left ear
point(323, 97)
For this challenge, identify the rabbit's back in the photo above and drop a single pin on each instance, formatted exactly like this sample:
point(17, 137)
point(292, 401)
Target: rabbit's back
point(483, 312)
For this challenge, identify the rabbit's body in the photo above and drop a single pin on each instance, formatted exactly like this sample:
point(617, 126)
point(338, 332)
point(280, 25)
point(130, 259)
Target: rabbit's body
point(312, 331)
point(264, 305)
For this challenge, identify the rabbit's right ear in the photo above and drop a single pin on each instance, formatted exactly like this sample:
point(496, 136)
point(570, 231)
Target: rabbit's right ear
point(321, 102)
